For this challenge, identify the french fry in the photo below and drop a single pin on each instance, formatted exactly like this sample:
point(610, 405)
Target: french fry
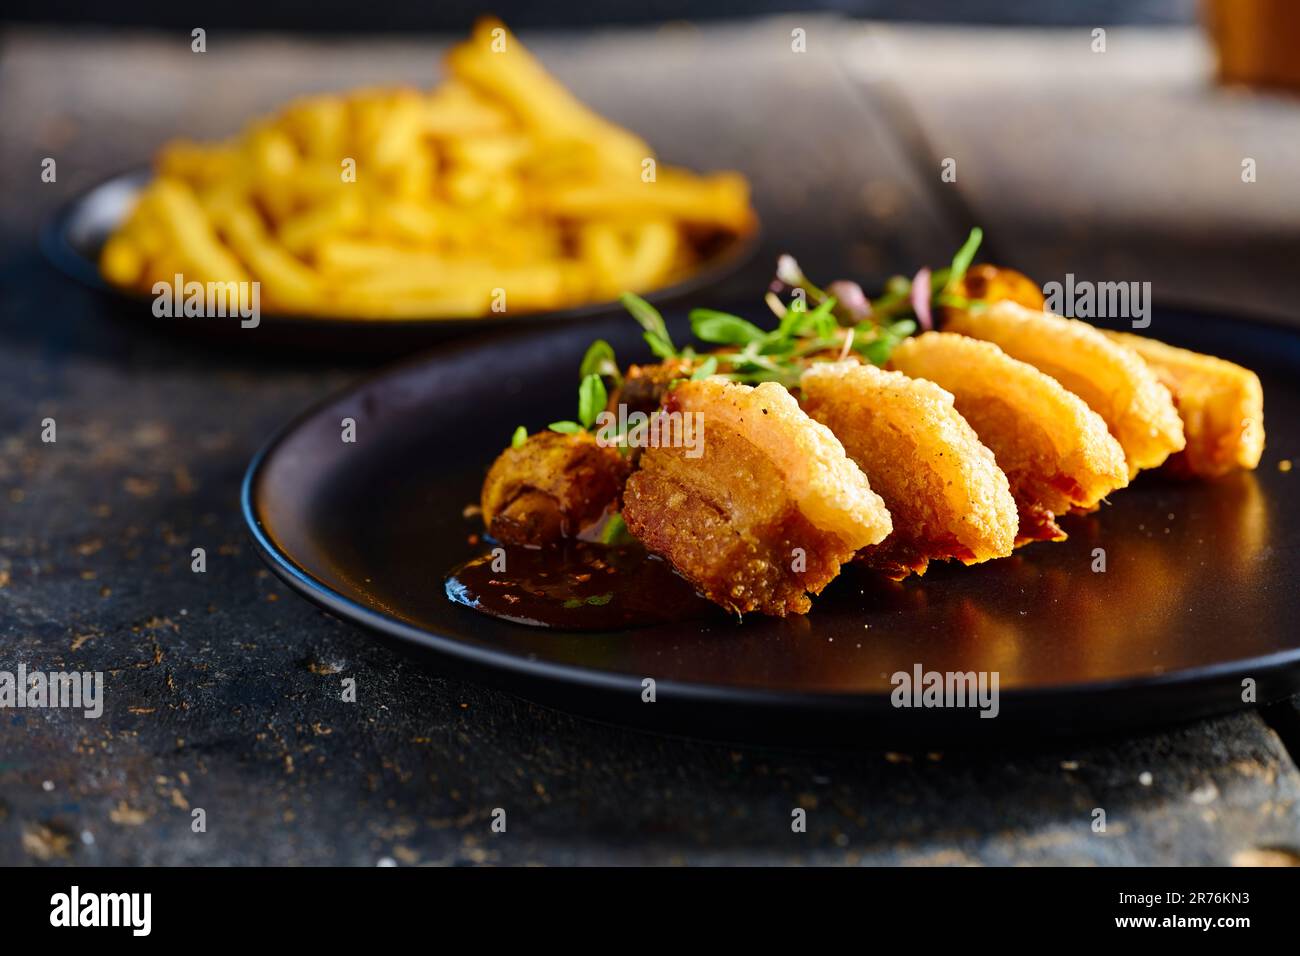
point(286, 282)
point(498, 64)
point(340, 215)
point(195, 242)
point(456, 110)
point(721, 200)
point(319, 126)
point(122, 260)
point(498, 190)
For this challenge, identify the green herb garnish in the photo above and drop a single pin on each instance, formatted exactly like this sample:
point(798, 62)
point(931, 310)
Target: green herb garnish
point(599, 360)
point(592, 399)
point(648, 317)
point(705, 368)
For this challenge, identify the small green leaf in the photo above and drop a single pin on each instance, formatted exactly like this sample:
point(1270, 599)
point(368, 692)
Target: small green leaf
point(615, 531)
point(723, 328)
point(520, 436)
point(648, 317)
point(592, 399)
point(707, 368)
point(565, 428)
point(876, 352)
point(600, 600)
point(662, 348)
point(599, 360)
point(964, 257)
point(822, 319)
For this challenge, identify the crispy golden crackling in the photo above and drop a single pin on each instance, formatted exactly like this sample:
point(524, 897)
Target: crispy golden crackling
point(945, 492)
point(1056, 452)
point(767, 513)
point(551, 487)
point(1114, 382)
point(1221, 405)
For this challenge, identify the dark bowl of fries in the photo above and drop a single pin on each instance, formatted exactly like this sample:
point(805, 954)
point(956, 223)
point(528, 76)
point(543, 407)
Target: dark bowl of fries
point(397, 213)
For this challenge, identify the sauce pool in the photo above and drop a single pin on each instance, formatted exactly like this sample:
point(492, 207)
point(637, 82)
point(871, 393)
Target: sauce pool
point(576, 586)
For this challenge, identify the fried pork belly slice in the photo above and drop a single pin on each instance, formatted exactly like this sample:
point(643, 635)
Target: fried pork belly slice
point(551, 487)
point(1115, 383)
point(769, 509)
point(1221, 405)
point(1054, 449)
point(945, 492)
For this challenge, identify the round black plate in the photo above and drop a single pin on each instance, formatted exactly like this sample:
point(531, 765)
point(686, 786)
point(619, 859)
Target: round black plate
point(74, 237)
point(1199, 592)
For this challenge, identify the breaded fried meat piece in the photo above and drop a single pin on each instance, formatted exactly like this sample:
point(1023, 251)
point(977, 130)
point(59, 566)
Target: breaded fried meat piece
point(945, 492)
point(1112, 380)
point(1221, 405)
point(1056, 452)
point(766, 509)
point(551, 487)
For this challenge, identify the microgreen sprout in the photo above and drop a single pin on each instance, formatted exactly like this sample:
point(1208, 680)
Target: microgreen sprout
point(592, 399)
point(652, 324)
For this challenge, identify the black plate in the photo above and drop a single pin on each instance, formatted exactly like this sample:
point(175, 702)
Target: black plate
point(74, 237)
point(1199, 591)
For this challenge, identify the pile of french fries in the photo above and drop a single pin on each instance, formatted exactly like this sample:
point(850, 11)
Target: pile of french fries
point(496, 192)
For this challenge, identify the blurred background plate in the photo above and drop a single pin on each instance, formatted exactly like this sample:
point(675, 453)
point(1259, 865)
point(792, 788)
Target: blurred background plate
point(73, 238)
point(1199, 591)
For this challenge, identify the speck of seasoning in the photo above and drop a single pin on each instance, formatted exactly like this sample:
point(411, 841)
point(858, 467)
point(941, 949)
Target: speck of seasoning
point(1069, 765)
point(1284, 465)
point(1145, 778)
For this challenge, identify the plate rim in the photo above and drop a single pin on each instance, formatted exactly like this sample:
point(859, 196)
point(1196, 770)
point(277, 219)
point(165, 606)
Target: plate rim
point(589, 678)
point(64, 256)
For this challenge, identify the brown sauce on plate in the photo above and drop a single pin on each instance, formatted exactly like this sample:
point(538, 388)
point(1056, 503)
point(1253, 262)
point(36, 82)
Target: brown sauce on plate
point(576, 586)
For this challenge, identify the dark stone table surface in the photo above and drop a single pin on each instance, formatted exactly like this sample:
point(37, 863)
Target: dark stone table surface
point(223, 688)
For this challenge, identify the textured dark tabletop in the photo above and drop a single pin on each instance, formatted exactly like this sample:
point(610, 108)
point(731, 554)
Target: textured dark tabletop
point(223, 689)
